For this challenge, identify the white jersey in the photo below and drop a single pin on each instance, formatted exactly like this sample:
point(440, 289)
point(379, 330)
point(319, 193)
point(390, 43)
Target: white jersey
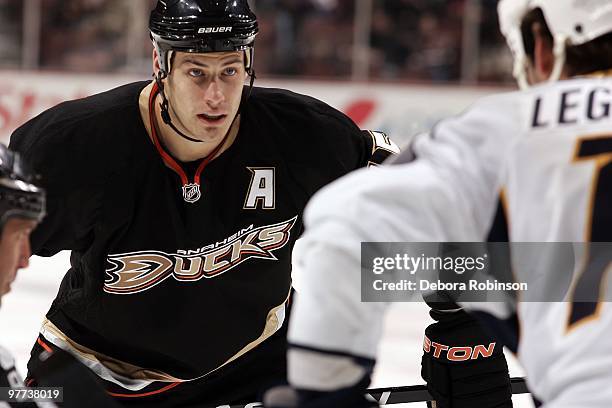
point(549, 151)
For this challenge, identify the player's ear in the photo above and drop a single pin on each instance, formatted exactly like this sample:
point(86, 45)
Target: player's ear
point(544, 58)
point(155, 60)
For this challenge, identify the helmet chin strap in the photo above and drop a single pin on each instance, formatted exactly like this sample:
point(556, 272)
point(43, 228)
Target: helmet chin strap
point(165, 114)
point(560, 56)
point(520, 71)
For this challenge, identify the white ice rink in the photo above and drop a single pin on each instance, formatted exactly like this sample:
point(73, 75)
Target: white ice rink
point(399, 363)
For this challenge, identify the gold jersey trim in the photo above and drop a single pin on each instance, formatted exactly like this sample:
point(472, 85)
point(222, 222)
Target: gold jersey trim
point(135, 378)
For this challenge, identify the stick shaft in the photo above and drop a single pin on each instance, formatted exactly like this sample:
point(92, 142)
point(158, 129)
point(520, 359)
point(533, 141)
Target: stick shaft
point(403, 395)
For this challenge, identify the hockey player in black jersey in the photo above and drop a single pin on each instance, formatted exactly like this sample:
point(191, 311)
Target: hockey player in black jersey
point(181, 199)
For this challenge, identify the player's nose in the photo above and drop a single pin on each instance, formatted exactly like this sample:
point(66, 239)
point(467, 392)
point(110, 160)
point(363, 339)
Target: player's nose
point(213, 94)
point(25, 253)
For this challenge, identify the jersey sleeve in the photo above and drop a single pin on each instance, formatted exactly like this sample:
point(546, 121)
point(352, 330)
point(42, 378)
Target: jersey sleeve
point(444, 188)
point(352, 148)
point(379, 147)
point(69, 169)
point(341, 148)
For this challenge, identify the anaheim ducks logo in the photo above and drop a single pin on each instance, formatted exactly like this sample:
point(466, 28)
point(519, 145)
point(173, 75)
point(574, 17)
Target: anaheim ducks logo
point(138, 271)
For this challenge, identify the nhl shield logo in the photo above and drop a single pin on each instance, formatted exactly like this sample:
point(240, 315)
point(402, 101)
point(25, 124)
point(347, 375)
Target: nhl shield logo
point(191, 192)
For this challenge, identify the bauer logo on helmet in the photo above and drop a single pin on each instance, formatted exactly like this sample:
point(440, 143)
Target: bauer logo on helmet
point(212, 30)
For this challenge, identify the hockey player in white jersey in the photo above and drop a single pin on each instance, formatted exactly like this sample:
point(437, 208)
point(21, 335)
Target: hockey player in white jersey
point(548, 148)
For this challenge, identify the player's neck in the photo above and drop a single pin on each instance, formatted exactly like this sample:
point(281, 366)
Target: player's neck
point(599, 74)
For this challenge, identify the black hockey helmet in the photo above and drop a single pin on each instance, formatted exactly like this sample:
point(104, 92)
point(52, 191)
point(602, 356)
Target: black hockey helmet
point(19, 197)
point(203, 26)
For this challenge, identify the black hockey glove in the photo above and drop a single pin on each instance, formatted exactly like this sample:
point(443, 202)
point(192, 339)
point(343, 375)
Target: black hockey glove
point(464, 366)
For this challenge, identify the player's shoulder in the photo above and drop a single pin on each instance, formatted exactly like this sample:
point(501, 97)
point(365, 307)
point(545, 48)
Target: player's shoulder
point(489, 109)
point(82, 140)
point(520, 104)
point(576, 84)
point(502, 114)
point(549, 105)
point(97, 116)
point(288, 100)
point(297, 111)
point(575, 101)
point(304, 127)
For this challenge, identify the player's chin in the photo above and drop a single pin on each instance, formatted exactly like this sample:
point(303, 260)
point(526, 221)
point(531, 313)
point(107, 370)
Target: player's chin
point(211, 134)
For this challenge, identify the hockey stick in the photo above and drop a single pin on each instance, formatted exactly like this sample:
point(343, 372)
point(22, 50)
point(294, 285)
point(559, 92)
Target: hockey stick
point(419, 393)
point(403, 395)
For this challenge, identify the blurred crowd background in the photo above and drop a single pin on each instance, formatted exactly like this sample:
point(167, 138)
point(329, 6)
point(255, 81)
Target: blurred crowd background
point(450, 41)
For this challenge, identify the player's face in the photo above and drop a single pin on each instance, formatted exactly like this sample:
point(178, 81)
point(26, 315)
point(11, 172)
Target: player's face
point(204, 92)
point(14, 250)
point(535, 75)
point(540, 69)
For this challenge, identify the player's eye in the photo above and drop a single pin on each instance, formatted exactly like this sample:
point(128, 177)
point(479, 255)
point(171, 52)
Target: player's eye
point(195, 72)
point(230, 71)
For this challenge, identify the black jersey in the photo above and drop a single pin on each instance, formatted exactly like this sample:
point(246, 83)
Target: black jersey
point(170, 287)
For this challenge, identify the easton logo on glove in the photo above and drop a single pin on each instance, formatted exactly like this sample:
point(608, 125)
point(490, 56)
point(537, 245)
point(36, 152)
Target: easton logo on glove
point(458, 353)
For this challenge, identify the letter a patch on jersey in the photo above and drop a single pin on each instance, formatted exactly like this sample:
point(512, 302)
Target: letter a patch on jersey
point(262, 189)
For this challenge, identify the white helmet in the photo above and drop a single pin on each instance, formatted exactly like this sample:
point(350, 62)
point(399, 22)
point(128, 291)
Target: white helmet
point(571, 22)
